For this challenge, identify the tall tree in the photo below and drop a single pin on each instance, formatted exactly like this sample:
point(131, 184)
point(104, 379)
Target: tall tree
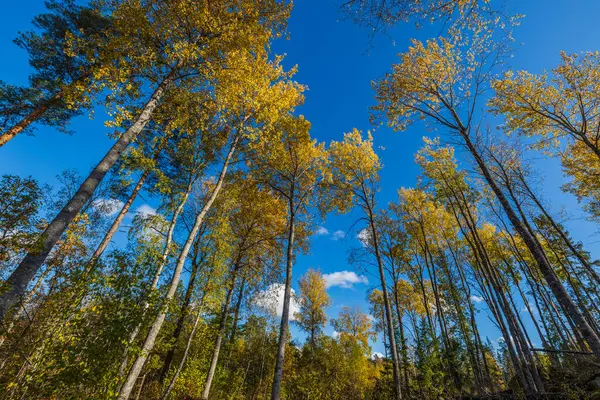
point(441, 81)
point(313, 300)
point(355, 171)
point(293, 165)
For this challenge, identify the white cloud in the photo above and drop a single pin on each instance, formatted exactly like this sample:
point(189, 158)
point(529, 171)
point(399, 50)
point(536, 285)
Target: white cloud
point(335, 334)
point(145, 210)
point(376, 354)
point(363, 236)
point(108, 207)
point(344, 279)
point(337, 235)
point(321, 231)
point(271, 300)
point(476, 299)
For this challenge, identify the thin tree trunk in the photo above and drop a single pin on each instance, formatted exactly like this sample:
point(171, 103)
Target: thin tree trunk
point(283, 328)
point(219, 340)
point(386, 303)
point(19, 280)
point(122, 213)
point(556, 286)
point(148, 345)
point(402, 339)
point(182, 315)
point(157, 273)
point(238, 306)
point(189, 342)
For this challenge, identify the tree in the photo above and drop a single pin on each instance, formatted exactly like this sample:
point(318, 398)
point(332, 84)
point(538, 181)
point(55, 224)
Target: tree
point(441, 81)
point(560, 111)
point(313, 299)
point(194, 60)
point(293, 165)
point(355, 169)
point(63, 84)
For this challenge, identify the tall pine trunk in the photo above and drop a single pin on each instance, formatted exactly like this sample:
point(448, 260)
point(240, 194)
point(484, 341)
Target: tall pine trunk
point(17, 283)
point(148, 345)
point(38, 112)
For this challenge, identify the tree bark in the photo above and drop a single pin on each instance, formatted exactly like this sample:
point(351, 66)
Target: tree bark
point(148, 345)
point(182, 315)
point(283, 328)
point(19, 280)
point(554, 283)
point(124, 210)
point(219, 339)
point(386, 303)
point(37, 113)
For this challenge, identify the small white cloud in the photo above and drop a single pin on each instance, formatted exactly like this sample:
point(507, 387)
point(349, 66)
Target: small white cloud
point(321, 231)
point(337, 235)
point(364, 237)
point(271, 300)
point(376, 355)
point(145, 210)
point(108, 207)
point(476, 299)
point(335, 334)
point(344, 279)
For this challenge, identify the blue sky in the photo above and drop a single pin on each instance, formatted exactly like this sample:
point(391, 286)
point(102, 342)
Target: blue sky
point(337, 64)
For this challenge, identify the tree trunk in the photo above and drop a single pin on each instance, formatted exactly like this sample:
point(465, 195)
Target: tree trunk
point(219, 340)
point(182, 315)
point(157, 274)
point(386, 304)
point(188, 344)
point(37, 113)
point(124, 210)
point(236, 315)
point(403, 348)
point(283, 328)
point(560, 231)
point(562, 296)
point(18, 281)
point(136, 368)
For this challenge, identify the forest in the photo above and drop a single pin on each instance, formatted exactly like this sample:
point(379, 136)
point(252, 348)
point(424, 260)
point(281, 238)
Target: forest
point(477, 283)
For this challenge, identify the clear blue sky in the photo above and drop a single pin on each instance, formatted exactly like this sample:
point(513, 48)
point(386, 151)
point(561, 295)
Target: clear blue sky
point(338, 65)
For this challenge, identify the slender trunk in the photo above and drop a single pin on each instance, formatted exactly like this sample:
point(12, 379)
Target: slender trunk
point(18, 281)
point(403, 349)
point(182, 315)
point(561, 232)
point(386, 304)
point(160, 318)
point(157, 273)
point(219, 340)
point(562, 296)
point(283, 328)
point(238, 306)
point(124, 210)
point(187, 348)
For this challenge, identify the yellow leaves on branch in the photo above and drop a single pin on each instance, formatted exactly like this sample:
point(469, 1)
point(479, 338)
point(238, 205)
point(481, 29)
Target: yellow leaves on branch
point(553, 105)
point(425, 77)
point(354, 165)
